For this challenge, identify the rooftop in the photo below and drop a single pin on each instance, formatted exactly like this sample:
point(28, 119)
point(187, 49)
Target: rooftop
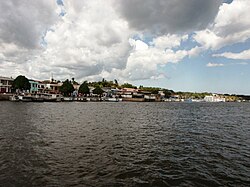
point(6, 78)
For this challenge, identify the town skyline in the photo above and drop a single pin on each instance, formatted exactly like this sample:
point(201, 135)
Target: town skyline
point(113, 84)
point(142, 45)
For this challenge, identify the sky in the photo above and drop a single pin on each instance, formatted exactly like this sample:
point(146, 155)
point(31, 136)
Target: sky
point(181, 45)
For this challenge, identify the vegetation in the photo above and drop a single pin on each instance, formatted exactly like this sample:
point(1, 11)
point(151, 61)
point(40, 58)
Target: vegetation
point(98, 91)
point(127, 85)
point(67, 88)
point(84, 89)
point(104, 83)
point(73, 81)
point(21, 83)
point(150, 89)
point(168, 93)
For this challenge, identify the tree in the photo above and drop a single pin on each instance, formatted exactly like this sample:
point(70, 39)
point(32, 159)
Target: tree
point(21, 83)
point(155, 91)
point(98, 91)
point(168, 93)
point(84, 89)
point(127, 85)
point(67, 88)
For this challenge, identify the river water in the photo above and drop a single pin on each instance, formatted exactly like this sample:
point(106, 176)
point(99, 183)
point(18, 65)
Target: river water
point(124, 144)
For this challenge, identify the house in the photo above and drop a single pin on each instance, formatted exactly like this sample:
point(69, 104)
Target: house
point(49, 87)
point(76, 86)
point(33, 86)
point(5, 84)
point(128, 92)
point(214, 98)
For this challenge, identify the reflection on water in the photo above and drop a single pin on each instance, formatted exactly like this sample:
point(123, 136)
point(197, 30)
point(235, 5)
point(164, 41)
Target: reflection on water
point(124, 144)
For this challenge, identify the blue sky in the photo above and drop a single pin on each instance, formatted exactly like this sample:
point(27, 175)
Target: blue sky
point(192, 74)
point(181, 45)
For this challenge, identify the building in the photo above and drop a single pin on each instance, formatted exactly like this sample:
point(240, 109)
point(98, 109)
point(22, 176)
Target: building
point(33, 86)
point(49, 87)
point(5, 84)
point(214, 98)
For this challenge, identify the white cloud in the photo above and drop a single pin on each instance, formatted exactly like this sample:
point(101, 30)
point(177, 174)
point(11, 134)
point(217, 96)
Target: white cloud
point(232, 25)
point(93, 39)
point(168, 41)
point(214, 65)
point(145, 63)
point(92, 42)
point(87, 41)
point(244, 55)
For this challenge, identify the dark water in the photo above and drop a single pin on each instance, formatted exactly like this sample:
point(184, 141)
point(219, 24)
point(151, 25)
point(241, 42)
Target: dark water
point(124, 144)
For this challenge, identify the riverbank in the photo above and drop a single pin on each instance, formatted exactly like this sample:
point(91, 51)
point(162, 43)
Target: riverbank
point(5, 97)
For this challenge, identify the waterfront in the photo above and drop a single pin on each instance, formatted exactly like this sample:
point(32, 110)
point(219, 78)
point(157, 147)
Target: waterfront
point(124, 144)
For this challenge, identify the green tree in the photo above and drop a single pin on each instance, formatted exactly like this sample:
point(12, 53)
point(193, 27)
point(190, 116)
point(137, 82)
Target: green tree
point(84, 89)
point(67, 88)
point(21, 83)
point(168, 93)
point(127, 85)
point(98, 91)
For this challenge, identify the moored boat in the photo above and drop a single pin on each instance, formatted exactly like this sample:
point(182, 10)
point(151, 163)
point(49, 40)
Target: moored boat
point(14, 98)
point(52, 97)
point(111, 99)
point(68, 99)
point(25, 98)
point(37, 98)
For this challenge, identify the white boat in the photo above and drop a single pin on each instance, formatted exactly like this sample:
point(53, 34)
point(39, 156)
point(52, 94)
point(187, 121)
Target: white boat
point(14, 98)
point(25, 98)
point(111, 99)
point(52, 97)
point(37, 98)
point(80, 99)
point(68, 99)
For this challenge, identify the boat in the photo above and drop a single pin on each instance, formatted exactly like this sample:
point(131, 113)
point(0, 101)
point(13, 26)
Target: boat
point(95, 99)
point(80, 99)
point(111, 99)
point(67, 99)
point(52, 97)
point(14, 98)
point(25, 98)
point(37, 98)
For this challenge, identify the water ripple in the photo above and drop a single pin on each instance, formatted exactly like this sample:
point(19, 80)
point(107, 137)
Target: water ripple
point(124, 144)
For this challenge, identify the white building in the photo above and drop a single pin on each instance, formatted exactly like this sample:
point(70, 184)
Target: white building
point(214, 98)
point(49, 87)
point(5, 84)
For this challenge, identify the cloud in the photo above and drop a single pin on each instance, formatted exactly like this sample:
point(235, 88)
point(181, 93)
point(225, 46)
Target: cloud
point(23, 22)
point(231, 25)
point(244, 55)
point(168, 16)
point(146, 61)
point(96, 39)
point(89, 39)
point(168, 41)
point(214, 65)
point(211, 65)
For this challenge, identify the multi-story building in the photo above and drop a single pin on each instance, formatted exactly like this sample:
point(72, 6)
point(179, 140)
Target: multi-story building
point(49, 87)
point(33, 86)
point(5, 84)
